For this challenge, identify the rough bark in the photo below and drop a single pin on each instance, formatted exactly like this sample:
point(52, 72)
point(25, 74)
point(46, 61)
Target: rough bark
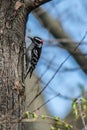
point(12, 30)
point(13, 17)
point(55, 28)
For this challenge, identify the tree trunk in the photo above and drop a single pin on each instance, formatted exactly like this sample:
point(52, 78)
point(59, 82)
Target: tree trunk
point(12, 30)
point(13, 17)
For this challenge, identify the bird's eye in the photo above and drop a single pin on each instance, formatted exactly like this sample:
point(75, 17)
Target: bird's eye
point(39, 41)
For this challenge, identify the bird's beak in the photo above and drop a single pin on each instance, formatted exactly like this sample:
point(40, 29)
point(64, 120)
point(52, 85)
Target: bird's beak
point(41, 41)
point(30, 38)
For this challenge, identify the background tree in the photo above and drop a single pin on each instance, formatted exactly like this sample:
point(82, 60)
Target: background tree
point(57, 31)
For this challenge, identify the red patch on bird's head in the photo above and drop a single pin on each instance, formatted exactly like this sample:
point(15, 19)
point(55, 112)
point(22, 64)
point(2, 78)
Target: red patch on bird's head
point(41, 41)
point(36, 39)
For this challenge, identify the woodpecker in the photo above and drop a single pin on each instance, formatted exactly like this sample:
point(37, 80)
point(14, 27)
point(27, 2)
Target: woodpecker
point(33, 53)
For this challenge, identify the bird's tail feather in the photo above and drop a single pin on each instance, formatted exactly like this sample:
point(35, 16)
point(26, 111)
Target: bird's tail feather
point(30, 70)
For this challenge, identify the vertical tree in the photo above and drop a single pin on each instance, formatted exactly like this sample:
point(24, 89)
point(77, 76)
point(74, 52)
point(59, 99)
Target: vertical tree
point(13, 17)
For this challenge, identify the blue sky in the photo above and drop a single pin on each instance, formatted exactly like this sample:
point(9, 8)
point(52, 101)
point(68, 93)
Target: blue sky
point(72, 15)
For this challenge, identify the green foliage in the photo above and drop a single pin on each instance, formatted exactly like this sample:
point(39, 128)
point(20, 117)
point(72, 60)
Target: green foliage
point(34, 115)
point(43, 116)
point(27, 114)
point(75, 110)
point(79, 106)
point(56, 118)
point(67, 127)
point(52, 128)
point(79, 109)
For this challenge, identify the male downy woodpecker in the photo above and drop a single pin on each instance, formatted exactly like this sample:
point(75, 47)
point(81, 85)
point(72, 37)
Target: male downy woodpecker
point(33, 53)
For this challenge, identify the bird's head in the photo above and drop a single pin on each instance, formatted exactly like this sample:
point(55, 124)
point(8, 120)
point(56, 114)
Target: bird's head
point(37, 41)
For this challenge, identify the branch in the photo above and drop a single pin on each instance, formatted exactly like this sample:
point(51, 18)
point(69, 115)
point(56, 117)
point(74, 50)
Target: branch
point(56, 72)
point(55, 28)
point(32, 4)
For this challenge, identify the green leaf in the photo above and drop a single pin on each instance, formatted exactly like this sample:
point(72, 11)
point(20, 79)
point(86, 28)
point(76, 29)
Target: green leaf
point(27, 114)
point(43, 116)
point(85, 108)
point(67, 127)
point(84, 100)
point(52, 128)
point(34, 115)
point(56, 118)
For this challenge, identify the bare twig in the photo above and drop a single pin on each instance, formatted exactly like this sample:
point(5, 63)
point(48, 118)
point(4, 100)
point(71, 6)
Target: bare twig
point(39, 93)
